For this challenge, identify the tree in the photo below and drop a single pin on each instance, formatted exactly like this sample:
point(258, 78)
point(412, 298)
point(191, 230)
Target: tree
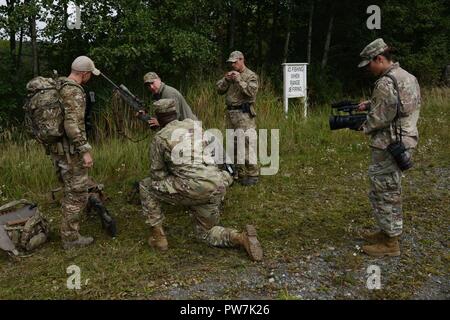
point(326, 48)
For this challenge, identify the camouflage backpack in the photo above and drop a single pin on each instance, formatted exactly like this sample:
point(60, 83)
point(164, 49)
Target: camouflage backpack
point(44, 111)
point(22, 227)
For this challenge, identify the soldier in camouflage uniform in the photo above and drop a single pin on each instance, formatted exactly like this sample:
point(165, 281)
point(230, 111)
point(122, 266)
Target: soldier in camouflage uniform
point(240, 87)
point(160, 90)
point(72, 156)
point(192, 180)
point(384, 174)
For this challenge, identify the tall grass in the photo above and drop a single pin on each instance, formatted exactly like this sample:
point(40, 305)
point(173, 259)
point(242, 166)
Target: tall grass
point(25, 170)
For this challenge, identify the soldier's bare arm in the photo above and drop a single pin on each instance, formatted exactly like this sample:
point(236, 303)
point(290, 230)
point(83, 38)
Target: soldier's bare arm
point(383, 107)
point(74, 111)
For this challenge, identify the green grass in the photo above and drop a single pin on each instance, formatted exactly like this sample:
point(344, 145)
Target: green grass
point(315, 201)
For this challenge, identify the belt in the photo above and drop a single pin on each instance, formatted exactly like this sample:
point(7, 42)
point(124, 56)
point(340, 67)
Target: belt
point(243, 107)
point(231, 108)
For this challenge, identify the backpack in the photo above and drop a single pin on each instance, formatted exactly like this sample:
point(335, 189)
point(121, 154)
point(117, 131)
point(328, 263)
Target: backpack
point(44, 110)
point(22, 227)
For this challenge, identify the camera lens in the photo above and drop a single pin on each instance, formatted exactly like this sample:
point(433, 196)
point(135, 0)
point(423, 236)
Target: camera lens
point(401, 155)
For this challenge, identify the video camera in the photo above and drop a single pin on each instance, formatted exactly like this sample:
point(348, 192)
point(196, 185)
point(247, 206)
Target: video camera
point(352, 121)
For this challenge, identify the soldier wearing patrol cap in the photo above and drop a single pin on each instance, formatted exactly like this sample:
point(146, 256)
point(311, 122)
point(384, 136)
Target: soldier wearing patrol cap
point(72, 155)
point(160, 90)
point(240, 86)
point(191, 179)
point(393, 112)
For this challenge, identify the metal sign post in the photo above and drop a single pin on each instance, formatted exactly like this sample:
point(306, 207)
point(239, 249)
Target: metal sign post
point(294, 84)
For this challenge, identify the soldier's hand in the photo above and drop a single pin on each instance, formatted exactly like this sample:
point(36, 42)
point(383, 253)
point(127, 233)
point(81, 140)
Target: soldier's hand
point(228, 76)
point(235, 76)
point(363, 106)
point(140, 112)
point(153, 122)
point(88, 162)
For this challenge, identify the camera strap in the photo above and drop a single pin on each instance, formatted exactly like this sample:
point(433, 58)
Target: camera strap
point(399, 105)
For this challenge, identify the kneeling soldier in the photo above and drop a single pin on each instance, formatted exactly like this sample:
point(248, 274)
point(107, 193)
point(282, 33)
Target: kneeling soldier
point(193, 182)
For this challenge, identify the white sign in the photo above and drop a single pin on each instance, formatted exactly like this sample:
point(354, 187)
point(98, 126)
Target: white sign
point(294, 83)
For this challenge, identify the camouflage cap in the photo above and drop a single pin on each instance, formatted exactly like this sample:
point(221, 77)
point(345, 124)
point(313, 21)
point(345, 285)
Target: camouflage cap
point(150, 77)
point(234, 56)
point(371, 51)
point(164, 106)
point(85, 64)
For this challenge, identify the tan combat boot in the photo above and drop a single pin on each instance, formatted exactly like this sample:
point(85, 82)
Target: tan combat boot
point(374, 236)
point(248, 240)
point(389, 246)
point(158, 239)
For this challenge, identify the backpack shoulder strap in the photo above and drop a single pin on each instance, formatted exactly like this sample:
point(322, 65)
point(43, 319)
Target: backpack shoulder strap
point(63, 83)
point(399, 101)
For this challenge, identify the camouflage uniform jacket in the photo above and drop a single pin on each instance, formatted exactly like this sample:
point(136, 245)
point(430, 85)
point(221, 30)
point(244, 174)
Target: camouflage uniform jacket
point(74, 104)
point(240, 91)
point(184, 111)
point(383, 109)
point(194, 174)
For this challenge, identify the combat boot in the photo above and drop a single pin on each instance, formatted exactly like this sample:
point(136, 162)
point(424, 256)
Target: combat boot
point(78, 243)
point(374, 236)
point(158, 239)
point(248, 240)
point(389, 246)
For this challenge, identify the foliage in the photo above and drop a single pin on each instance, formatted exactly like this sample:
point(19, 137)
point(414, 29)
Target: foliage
point(187, 40)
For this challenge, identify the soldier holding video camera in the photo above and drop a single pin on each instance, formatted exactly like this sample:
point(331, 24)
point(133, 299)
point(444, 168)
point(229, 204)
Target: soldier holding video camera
point(391, 124)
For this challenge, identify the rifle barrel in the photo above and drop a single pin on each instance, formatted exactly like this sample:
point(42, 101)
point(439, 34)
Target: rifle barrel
point(110, 81)
point(344, 104)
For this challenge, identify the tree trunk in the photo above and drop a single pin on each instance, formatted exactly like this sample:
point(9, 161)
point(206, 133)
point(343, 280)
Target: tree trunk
point(326, 49)
point(310, 29)
point(286, 47)
point(259, 35)
point(33, 35)
point(19, 54)
point(274, 44)
point(232, 26)
point(12, 32)
point(288, 33)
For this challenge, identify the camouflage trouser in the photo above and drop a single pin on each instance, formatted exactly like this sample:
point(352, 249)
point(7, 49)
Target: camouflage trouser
point(385, 192)
point(75, 179)
point(205, 211)
point(237, 119)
